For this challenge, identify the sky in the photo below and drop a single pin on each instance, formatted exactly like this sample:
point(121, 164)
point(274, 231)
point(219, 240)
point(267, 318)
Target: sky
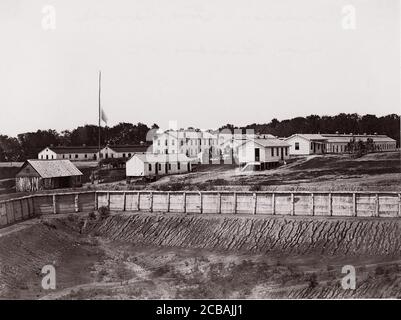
point(201, 63)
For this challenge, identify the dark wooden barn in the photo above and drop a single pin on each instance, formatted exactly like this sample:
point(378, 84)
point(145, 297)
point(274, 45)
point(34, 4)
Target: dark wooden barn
point(37, 175)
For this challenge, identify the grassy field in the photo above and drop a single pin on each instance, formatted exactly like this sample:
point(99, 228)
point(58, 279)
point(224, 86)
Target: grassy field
point(376, 171)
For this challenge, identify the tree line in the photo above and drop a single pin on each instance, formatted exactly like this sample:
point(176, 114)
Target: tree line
point(342, 123)
point(27, 145)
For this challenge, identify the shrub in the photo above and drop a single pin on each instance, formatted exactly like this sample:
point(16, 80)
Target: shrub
point(104, 211)
point(91, 215)
point(255, 187)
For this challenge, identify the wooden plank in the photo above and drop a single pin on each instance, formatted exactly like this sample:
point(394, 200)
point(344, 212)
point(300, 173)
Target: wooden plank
point(312, 199)
point(96, 200)
point(76, 202)
point(354, 204)
point(54, 204)
point(399, 204)
point(219, 205)
point(124, 201)
point(255, 202)
point(292, 204)
point(138, 204)
point(330, 205)
point(235, 202)
point(168, 201)
point(108, 200)
point(185, 203)
point(201, 202)
point(273, 203)
point(376, 205)
point(151, 201)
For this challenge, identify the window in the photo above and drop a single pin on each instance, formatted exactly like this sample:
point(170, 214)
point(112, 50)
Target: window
point(272, 152)
point(47, 157)
point(160, 166)
point(129, 155)
point(123, 155)
point(166, 142)
point(172, 142)
point(76, 156)
point(150, 167)
point(158, 143)
point(178, 166)
point(182, 143)
point(286, 151)
point(63, 156)
point(69, 156)
point(86, 156)
point(296, 145)
point(169, 166)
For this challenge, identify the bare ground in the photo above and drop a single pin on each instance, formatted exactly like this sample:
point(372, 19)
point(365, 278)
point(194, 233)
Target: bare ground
point(144, 256)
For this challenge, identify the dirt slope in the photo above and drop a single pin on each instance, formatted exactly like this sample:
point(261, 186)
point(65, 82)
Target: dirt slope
point(293, 235)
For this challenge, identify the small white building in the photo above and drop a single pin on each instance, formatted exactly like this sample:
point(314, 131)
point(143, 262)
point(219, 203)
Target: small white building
point(69, 153)
point(151, 164)
point(263, 153)
point(306, 144)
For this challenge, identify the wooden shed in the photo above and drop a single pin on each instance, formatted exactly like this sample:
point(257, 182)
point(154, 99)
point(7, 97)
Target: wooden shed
point(37, 175)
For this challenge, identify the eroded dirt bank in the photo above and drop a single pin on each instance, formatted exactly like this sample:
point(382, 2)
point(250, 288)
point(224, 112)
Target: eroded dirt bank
point(139, 256)
point(291, 235)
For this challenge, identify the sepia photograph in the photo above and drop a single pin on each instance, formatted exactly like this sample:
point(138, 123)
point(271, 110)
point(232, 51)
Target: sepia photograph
point(196, 150)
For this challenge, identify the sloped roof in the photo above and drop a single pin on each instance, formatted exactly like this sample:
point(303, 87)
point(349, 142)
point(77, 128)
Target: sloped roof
point(54, 168)
point(308, 136)
point(347, 137)
point(162, 158)
point(130, 148)
point(63, 150)
point(270, 142)
point(190, 134)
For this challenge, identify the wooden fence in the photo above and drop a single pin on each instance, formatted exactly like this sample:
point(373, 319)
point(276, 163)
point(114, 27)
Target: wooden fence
point(296, 203)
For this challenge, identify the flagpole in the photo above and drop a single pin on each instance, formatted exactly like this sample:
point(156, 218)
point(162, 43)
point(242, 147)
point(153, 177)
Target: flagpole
point(100, 78)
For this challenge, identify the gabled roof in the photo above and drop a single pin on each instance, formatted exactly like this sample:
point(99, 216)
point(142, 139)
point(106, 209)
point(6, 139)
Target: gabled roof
point(53, 168)
point(63, 150)
point(308, 136)
point(270, 142)
point(190, 134)
point(347, 137)
point(130, 148)
point(162, 158)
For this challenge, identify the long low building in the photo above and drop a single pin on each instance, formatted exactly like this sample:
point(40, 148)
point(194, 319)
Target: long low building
point(156, 164)
point(37, 175)
point(69, 153)
point(306, 144)
point(338, 143)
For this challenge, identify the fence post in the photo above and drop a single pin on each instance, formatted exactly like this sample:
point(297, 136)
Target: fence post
point(108, 200)
point(185, 202)
point(201, 201)
point(273, 203)
point(138, 201)
point(168, 201)
point(151, 201)
point(354, 203)
point(330, 204)
point(21, 208)
point(377, 205)
point(255, 202)
point(312, 199)
point(124, 201)
point(292, 204)
point(235, 202)
point(96, 201)
point(219, 209)
point(76, 202)
point(54, 204)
